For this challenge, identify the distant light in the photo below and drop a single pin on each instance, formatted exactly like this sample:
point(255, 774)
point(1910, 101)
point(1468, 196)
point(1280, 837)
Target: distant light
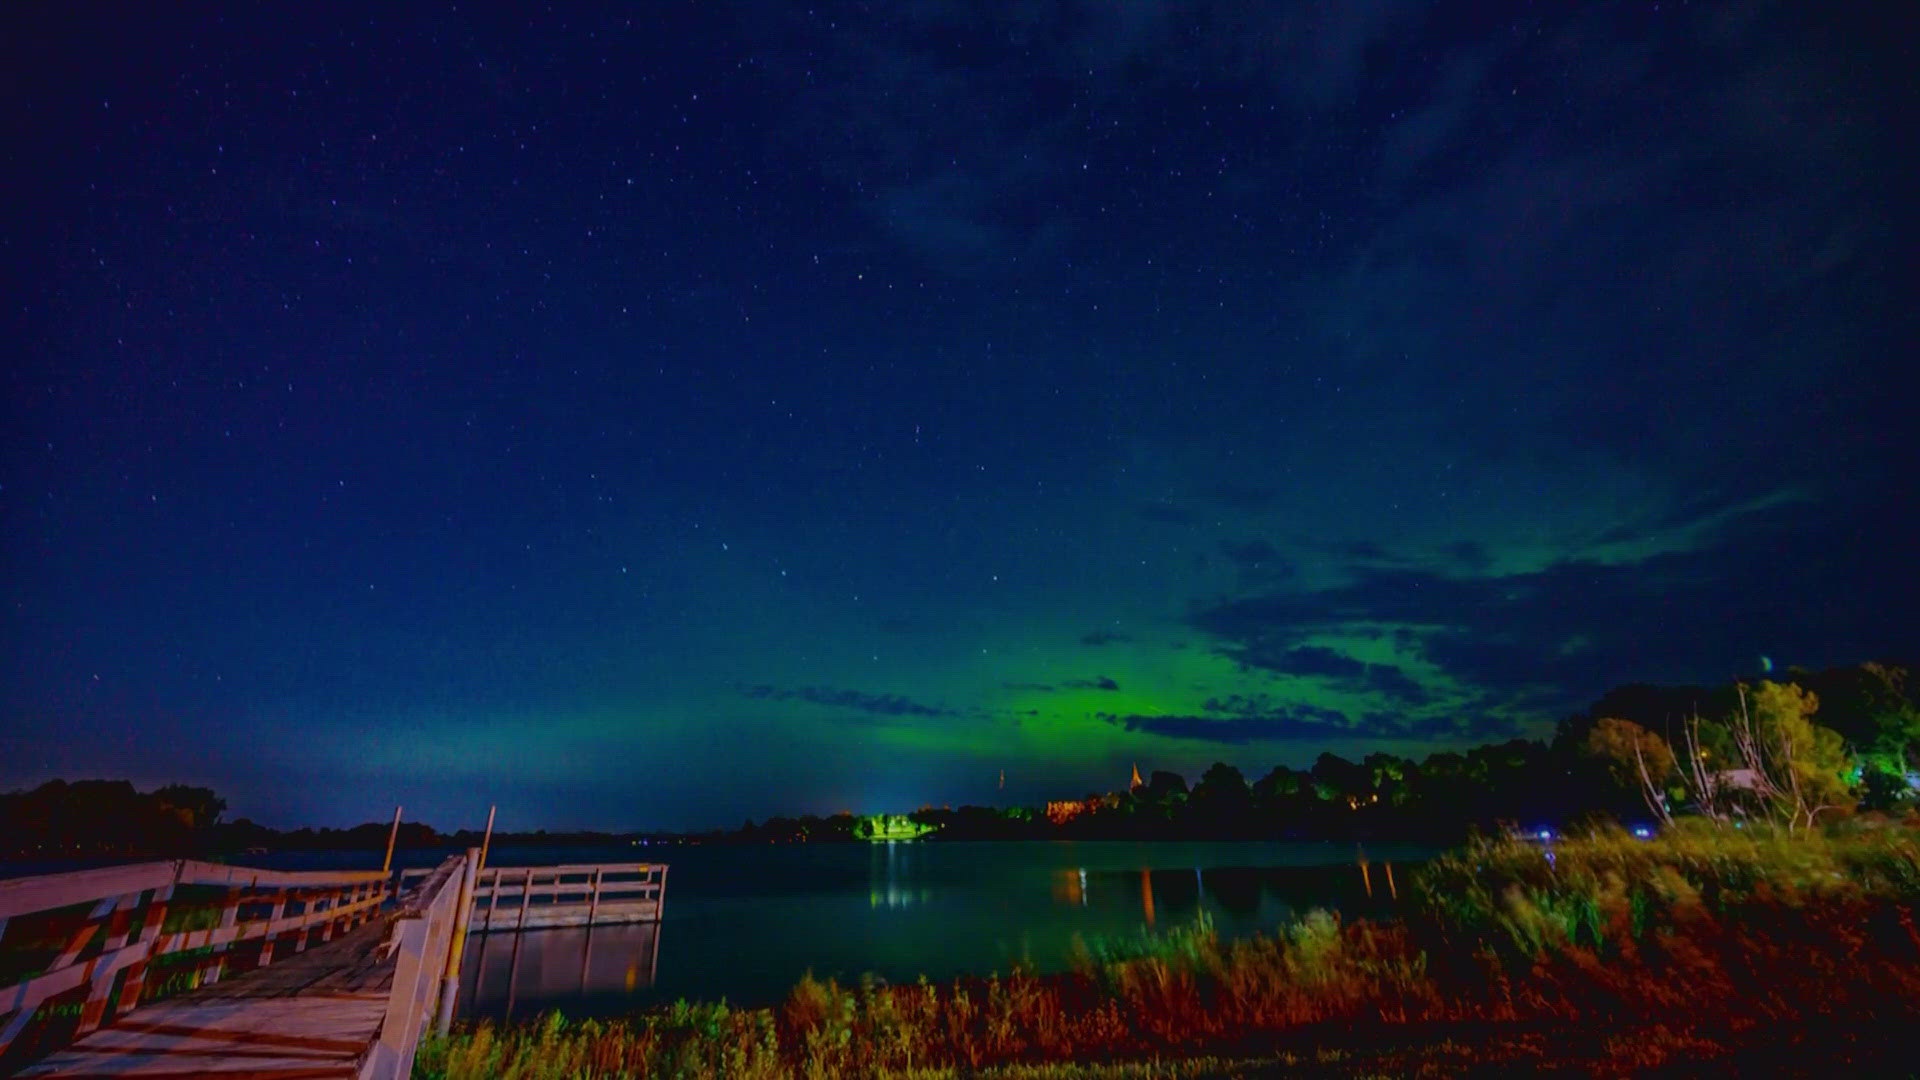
point(1546, 834)
point(1766, 663)
point(1642, 831)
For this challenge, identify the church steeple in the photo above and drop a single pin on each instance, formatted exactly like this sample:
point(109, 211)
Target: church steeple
point(1137, 782)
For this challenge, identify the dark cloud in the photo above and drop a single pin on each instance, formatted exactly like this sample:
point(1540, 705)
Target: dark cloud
point(1099, 683)
point(1254, 554)
point(1245, 705)
point(967, 131)
point(1317, 661)
point(1308, 724)
point(876, 704)
point(1102, 637)
point(1551, 639)
point(1362, 551)
point(1692, 148)
point(1469, 555)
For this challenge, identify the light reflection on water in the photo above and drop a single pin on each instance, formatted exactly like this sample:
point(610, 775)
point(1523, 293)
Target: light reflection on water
point(745, 922)
point(507, 974)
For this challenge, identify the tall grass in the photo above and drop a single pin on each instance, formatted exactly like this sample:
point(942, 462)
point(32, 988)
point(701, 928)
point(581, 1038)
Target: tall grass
point(1609, 890)
point(1690, 929)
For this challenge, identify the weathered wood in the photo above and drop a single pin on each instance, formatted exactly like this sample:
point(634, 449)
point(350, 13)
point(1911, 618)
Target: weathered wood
point(135, 979)
point(546, 918)
point(606, 893)
point(126, 956)
point(462, 918)
point(23, 896)
point(422, 934)
point(353, 1006)
point(315, 1014)
point(309, 1038)
point(351, 963)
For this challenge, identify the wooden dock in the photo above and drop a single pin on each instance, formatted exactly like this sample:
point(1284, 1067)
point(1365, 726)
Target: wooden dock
point(339, 982)
point(515, 898)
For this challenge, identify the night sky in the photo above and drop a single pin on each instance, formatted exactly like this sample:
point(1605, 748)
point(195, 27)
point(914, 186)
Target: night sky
point(654, 417)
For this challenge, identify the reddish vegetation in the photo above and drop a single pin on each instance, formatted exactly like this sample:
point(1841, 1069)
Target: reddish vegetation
point(1825, 984)
point(1613, 956)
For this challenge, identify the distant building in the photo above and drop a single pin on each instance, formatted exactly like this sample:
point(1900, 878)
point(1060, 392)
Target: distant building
point(1061, 811)
point(1137, 782)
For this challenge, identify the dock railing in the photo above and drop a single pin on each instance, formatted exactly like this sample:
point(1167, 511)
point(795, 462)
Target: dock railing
point(422, 936)
point(107, 930)
point(512, 898)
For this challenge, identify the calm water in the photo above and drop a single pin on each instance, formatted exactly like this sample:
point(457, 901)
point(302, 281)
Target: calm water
point(745, 922)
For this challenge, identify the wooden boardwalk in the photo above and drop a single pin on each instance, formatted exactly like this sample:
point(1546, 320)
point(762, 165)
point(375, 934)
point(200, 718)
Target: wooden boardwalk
point(352, 1005)
point(312, 1016)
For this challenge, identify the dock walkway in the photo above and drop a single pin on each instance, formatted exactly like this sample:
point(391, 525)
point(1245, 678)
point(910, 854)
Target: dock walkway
point(351, 1005)
point(310, 1017)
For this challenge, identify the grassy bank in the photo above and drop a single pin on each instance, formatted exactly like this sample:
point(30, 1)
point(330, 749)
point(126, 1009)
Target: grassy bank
point(1609, 953)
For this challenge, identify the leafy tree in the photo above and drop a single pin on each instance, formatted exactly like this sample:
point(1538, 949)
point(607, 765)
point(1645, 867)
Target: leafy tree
point(1387, 775)
point(1872, 707)
point(1337, 779)
point(1279, 785)
point(1797, 768)
point(1222, 787)
point(1882, 789)
point(196, 807)
point(1635, 759)
point(1165, 787)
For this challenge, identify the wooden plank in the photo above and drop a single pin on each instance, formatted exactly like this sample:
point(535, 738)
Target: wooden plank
point(204, 873)
point(541, 918)
point(23, 896)
point(351, 962)
point(422, 935)
point(241, 931)
point(283, 1038)
point(351, 1007)
point(135, 979)
point(315, 1014)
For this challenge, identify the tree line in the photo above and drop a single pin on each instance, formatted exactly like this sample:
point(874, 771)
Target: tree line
point(1797, 750)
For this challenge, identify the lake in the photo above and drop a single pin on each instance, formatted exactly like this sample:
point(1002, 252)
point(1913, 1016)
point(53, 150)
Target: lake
point(746, 922)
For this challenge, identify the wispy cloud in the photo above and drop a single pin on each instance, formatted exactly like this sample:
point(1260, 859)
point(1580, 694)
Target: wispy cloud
point(889, 705)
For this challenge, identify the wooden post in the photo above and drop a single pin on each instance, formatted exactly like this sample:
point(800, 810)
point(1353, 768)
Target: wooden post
point(660, 898)
point(493, 890)
point(135, 982)
point(593, 900)
point(304, 937)
point(229, 914)
point(334, 921)
point(526, 898)
point(659, 928)
point(100, 972)
point(519, 931)
point(462, 915)
point(275, 908)
point(386, 864)
point(486, 840)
